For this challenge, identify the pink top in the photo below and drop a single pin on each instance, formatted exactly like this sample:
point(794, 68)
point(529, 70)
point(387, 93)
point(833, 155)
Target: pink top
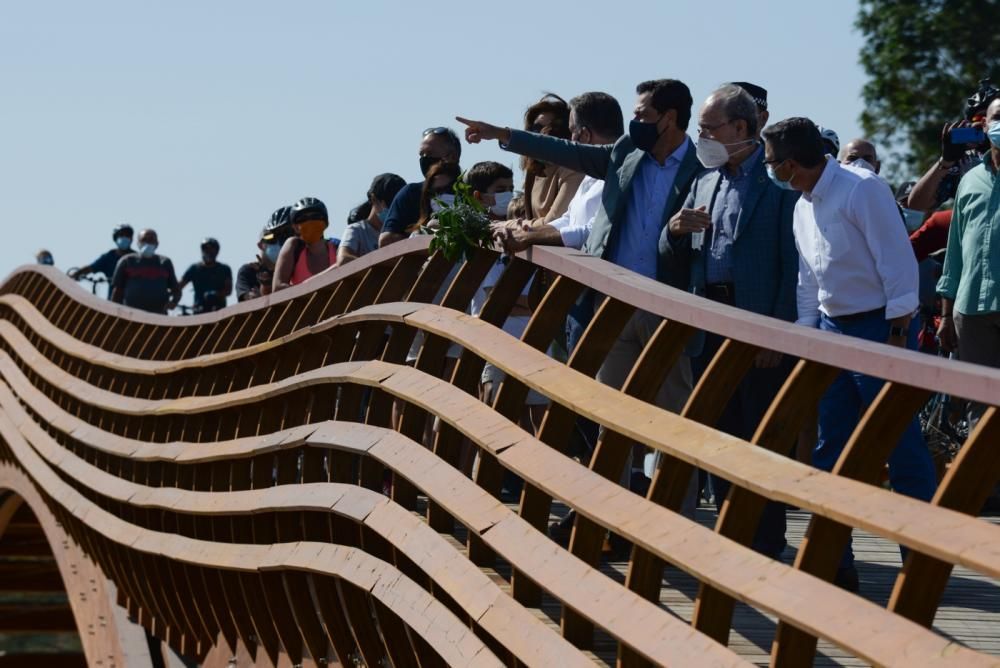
point(301, 272)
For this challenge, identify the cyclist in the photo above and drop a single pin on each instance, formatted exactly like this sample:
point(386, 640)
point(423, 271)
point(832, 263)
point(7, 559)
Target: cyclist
point(309, 253)
point(145, 280)
point(254, 278)
point(213, 281)
point(122, 236)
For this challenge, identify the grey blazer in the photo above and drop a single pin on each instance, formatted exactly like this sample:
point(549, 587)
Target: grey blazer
point(765, 260)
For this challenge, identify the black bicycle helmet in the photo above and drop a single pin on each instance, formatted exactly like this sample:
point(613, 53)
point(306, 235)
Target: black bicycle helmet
point(279, 219)
point(309, 208)
point(211, 243)
point(980, 100)
point(279, 226)
point(123, 230)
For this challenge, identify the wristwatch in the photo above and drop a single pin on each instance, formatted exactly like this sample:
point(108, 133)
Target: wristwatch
point(895, 331)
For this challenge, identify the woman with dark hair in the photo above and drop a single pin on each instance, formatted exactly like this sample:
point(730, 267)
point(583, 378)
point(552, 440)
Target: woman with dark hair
point(359, 213)
point(437, 193)
point(548, 189)
point(365, 223)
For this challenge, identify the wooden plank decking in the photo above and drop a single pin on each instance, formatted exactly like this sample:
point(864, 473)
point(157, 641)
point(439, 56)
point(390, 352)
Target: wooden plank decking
point(969, 612)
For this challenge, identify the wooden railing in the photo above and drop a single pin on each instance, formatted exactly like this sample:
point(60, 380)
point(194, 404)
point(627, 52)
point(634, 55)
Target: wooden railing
point(225, 472)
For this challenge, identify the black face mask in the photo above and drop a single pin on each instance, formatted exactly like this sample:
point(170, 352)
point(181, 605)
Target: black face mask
point(426, 162)
point(644, 135)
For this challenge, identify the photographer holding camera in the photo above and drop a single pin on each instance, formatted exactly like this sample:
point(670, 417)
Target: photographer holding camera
point(963, 145)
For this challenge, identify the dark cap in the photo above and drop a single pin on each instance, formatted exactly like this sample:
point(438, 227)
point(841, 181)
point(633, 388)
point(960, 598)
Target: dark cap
point(979, 101)
point(904, 189)
point(385, 187)
point(758, 94)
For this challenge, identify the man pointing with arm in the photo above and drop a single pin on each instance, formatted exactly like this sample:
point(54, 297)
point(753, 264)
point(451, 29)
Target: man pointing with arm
point(647, 174)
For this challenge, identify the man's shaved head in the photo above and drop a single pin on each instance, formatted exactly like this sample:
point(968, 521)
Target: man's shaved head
point(860, 149)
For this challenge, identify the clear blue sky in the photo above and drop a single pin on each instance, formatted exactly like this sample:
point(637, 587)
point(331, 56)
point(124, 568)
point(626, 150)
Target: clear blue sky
point(200, 118)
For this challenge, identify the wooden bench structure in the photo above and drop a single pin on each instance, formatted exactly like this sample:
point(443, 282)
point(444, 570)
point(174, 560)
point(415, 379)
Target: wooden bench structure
point(221, 476)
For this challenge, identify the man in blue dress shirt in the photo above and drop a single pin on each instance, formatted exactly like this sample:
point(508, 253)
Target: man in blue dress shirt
point(647, 174)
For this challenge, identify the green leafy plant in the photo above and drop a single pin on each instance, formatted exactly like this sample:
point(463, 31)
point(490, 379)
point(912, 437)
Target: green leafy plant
point(462, 227)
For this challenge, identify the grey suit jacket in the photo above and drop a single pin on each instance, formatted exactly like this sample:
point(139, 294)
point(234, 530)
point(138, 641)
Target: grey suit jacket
point(616, 164)
point(765, 260)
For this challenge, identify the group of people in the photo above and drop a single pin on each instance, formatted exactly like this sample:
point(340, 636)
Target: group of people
point(780, 220)
point(777, 219)
point(145, 280)
point(292, 249)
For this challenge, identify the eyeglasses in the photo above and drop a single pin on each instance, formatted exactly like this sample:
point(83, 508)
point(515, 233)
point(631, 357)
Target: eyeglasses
point(436, 131)
point(712, 128)
point(774, 161)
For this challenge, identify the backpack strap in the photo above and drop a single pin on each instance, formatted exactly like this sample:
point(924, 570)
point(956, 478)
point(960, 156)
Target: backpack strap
point(300, 246)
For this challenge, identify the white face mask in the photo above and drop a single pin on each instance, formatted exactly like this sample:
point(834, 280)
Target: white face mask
point(914, 219)
point(442, 202)
point(501, 202)
point(861, 163)
point(713, 153)
point(147, 250)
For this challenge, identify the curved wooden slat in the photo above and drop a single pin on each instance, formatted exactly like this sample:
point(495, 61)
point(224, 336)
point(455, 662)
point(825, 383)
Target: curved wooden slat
point(421, 612)
point(472, 505)
point(790, 481)
point(305, 356)
point(863, 459)
point(530, 459)
point(965, 488)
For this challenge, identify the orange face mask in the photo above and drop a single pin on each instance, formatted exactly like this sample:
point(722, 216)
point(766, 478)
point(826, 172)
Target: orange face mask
point(311, 231)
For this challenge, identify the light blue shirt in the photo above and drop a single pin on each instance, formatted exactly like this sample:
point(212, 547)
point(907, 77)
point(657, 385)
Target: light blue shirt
point(728, 203)
point(637, 245)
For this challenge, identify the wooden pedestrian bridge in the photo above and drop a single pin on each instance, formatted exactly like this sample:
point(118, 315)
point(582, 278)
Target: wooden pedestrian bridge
point(254, 486)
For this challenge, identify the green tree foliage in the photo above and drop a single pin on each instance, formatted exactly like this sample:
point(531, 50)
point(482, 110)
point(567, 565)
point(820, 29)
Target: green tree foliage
point(923, 59)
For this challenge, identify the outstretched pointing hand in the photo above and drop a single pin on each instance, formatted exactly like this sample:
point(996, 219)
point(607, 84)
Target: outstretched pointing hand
point(477, 131)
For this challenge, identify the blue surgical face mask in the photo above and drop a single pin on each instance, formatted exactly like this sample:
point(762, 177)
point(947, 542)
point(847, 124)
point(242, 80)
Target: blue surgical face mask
point(784, 185)
point(46, 259)
point(123, 243)
point(914, 219)
point(993, 132)
point(147, 250)
point(383, 213)
point(500, 203)
point(271, 252)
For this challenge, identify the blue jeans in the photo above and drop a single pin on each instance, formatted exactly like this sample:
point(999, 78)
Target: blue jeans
point(740, 418)
point(911, 471)
point(577, 321)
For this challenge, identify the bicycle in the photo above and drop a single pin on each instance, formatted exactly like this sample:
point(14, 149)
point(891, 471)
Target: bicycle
point(72, 272)
point(944, 423)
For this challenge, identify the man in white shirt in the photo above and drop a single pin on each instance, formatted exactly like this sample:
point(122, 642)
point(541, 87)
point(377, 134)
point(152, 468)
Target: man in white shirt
point(857, 276)
point(594, 118)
